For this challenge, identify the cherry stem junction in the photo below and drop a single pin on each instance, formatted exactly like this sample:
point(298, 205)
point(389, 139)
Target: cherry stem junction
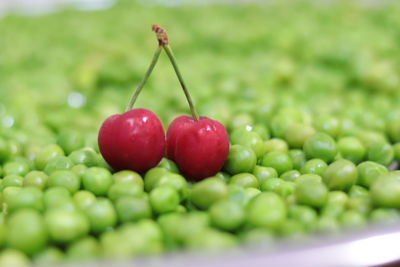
point(163, 42)
point(145, 78)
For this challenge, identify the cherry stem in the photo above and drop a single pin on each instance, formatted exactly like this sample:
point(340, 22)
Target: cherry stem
point(145, 78)
point(163, 42)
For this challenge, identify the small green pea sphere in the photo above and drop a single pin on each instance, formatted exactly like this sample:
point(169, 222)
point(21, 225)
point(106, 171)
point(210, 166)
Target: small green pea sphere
point(46, 154)
point(280, 161)
point(206, 192)
point(267, 210)
point(168, 165)
point(305, 215)
point(175, 180)
point(101, 214)
point(16, 168)
point(83, 199)
point(338, 198)
point(321, 146)
point(352, 149)
point(297, 134)
point(276, 144)
point(66, 226)
point(369, 172)
point(12, 257)
point(67, 179)
point(244, 180)
point(227, 215)
point(28, 197)
point(97, 180)
point(263, 173)
point(314, 166)
point(55, 197)
point(352, 219)
point(70, 141)
point(84, 249)
point(290, 175)
point(381, 153)
point(152, 177)
point(298, 158)
point(132, 209)
point(240, 159)
point(48, 256)
point(340, 175)
point(311, 192)
point(85, 156)
point(36, 179)
point(124, 189)
point(385, 191)
point(26, 231)
point(164, 199)
point(327, 124)
point(12, 180)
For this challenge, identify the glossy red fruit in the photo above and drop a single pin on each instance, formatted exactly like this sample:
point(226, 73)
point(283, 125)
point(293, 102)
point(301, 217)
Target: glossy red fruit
point(199, 148)
point(134, 140)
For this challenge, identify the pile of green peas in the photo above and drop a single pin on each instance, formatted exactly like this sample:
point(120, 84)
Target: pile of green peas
point(314, 130)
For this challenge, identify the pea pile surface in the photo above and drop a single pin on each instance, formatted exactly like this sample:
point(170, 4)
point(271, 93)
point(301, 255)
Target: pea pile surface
point(310, 96)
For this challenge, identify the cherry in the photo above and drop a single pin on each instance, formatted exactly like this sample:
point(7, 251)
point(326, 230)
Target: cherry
point(198, 145)
point(134, 140)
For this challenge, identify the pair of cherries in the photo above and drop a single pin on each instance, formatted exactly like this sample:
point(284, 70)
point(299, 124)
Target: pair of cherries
point(135, 140)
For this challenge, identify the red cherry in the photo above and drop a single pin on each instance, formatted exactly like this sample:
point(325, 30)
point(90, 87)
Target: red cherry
point(199, 148)
point(134, 140)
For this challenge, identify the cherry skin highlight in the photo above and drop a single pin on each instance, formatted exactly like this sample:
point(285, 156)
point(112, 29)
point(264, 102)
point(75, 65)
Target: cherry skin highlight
point(199, 148)
point(134, 140)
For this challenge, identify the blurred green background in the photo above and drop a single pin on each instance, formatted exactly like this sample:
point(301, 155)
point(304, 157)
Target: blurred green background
point(242, 63)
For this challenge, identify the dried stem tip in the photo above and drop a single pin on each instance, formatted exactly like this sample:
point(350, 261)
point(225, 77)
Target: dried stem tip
point(162, 36)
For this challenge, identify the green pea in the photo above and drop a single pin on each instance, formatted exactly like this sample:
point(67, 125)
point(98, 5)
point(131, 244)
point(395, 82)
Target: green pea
point(257, 236)
point(206, 192)
point(70, 141)
point(298, 158)
point(393, 126)
point(49, 256)
point(280, 161)
point(276, 144)
point(253, 141)
point(371, 137)
point(240, 159)
point(385, 215)
point(291, 228)
point(46, 154)
point(290, 175)
point(97, 180)
point(67, 179)
point(266, 210)
point(308, 177)
point(59, 163)
point(85, 156)
point(14, 258)
point(311, 192)
point(327, 124)
point(296, 134)
point(55, 197)
point(101, 214)
point(305, 215)
point(28, 197)
point(124, 189)
point(66, 226)
point(164, 199)
point(36, 179)
point(175, 180)
point(279, 125)
point(16, 168)
point(381, 153)
point(128, 176)
point(245, 180)
point(79, 169)
point(227, 215)
point(169, 165)
point(3, 233)
point(352, 219)
point(4, 150)
point(241, 120)
point(314, 166)
point(370, 171)
point(152, 176)
point(12, 180)
point(262, 131)
point(264, 173)
point(361, 204)
point(114, 246)
point(339, 198)
point(332, 210)
point(84, 249)
point(26, 231)
point(83, 199)
point(352, 149)
point(132, 209)
point(340, 175)
point(9, 195)
point(212, 240)
point(321, 146)
point(223, 176)
point(358, 191)
point(272, 184)
point(385, 191)
point(15, 148)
